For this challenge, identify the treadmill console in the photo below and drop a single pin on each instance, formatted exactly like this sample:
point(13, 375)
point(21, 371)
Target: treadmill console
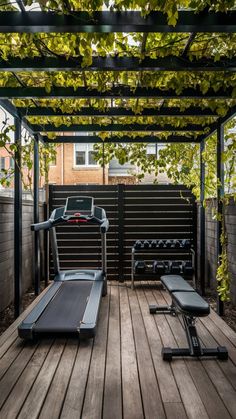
point(82, 205)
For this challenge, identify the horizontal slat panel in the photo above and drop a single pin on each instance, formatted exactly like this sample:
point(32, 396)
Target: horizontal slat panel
point(150, 212)
point(83, 188)
point(159, 194)
point(153, 187)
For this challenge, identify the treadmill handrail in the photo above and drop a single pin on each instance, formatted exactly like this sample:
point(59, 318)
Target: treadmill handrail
point(46, 225)
point(104, 226)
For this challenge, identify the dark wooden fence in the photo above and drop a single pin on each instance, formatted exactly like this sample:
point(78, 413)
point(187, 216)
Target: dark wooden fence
point(229, 212)
point(135, 212)
point(7, 248)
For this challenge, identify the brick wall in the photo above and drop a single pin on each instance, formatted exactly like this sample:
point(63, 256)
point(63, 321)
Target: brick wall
point(7, 248)
point(66, 173)
point(211, 255)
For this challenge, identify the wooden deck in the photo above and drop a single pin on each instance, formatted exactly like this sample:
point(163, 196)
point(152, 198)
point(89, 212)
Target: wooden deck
point(121, 373)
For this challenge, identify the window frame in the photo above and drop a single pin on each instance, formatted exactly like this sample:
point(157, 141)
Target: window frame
point(86, 165)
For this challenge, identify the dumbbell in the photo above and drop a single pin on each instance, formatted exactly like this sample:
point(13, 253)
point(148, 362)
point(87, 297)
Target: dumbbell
point(176, 267)
point(153, 244)
point(188, 244)
point(160, 244)
point(175, 244)
point(139, 266)
point(138, 244)
point(159, 267)
point(185, 243)
point(167, 266)
point(188, 267)
point(168, 244)
point(146, 244)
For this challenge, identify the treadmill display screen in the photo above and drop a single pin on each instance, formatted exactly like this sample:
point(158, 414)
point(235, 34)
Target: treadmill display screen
point(79, 204)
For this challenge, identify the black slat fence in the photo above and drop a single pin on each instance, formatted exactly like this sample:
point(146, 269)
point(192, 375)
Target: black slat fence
point(135, 212)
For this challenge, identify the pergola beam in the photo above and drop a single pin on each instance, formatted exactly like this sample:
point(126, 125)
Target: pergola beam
point(119, 92)
point(96, 139)
point(115, 111)
point(115, 128)
point(223, 120)
point(170, 63)
point(12, 110)
point(108, 22)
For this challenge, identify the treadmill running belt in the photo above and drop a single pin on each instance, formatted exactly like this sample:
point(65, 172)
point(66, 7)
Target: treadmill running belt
point(65, 311)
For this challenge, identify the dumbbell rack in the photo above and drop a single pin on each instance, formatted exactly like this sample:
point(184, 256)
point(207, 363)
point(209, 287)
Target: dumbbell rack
point(159, 252)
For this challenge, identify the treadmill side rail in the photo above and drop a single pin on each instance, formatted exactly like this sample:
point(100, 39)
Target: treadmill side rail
point(26, 328)
point(87, 328)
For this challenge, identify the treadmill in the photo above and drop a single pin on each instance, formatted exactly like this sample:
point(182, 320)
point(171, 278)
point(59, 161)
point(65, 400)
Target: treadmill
point(71, 304)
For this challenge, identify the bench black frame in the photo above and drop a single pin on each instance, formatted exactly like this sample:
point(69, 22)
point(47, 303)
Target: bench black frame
point(195, 348)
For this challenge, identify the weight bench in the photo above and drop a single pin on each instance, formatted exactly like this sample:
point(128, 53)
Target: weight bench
point(187, 302)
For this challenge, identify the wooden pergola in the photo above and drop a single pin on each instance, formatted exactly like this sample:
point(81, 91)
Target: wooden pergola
point(34, 22)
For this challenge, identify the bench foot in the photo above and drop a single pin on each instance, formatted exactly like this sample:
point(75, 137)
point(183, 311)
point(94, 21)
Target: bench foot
point(153, 309)
point(220, 352)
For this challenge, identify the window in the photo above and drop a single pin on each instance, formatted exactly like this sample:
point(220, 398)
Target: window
point(84, 155)
point(153, 149)
point(2, 163)
point(12, 163)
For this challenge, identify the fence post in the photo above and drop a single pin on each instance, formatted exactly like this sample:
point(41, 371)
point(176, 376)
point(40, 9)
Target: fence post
point(202, 219)
point(220, 194)
point(195, 235)
point(17, 221)
point(36, 217)
point(46, 246)
point(120, 193)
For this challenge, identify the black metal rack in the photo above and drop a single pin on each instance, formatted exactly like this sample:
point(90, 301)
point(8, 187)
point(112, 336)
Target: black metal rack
point(161, 252)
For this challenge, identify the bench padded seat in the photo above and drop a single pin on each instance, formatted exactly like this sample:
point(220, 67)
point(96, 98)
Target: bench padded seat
point(175, 283)
point(191, 303)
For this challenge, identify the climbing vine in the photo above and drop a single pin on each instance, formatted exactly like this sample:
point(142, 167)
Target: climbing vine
point(179, 161)
point(47, 153)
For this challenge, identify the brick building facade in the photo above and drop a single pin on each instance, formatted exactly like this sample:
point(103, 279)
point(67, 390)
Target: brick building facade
point(75, 164)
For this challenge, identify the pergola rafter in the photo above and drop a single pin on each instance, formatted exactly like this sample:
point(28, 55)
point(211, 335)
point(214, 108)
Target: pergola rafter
point(108, 22)
point(115, 128)
point(91, 139)
point(115, 111)
point(118, 92)
point(170, 63)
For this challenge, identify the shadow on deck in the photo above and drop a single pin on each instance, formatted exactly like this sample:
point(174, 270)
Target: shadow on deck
point(120, 373)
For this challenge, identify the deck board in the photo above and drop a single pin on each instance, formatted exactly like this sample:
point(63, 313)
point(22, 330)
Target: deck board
point(120, 374)
point(112, 405)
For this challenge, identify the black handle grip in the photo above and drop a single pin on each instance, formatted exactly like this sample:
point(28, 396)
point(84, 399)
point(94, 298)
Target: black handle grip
point(104, 226)
point(41, 226)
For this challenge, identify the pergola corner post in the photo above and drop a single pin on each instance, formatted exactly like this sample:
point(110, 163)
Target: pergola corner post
point(202, 219)
point(220, 194)
point(103, 164)
point(17, 220)
point(36, 217)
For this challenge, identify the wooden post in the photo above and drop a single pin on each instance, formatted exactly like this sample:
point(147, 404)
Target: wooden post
point(121, 231)
point(36, 218)
point(220, 194)
point(202, 220)
point(17, 221)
